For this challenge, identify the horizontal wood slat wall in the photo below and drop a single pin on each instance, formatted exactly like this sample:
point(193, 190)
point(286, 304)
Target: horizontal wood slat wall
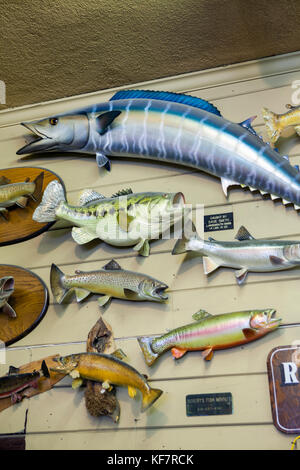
point(58, 419)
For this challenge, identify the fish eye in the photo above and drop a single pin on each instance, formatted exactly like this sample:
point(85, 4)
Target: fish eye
point(53, 121)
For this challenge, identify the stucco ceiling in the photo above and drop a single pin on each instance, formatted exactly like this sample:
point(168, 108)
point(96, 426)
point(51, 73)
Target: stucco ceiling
point(59, 48)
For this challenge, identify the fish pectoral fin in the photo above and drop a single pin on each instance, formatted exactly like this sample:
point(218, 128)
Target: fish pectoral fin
point(105, 120)
point(207, 354)
point(201, 314)
point(241, 275)
point(4, 213)
point(124, 220)
point(81, 294)
point(142, 247)
point(89, 195)
point(74, 374)
point(243, 234)
point(178, 353)
point(76, 383)
point(209, 265)
point(130, 294)
point(119, 354)
point(106, 385)
point(131, 391)
point(102, 160)
point(226, 183)
point(249, 333)
point(276, 261)
point(103, 300)
point(22, 202)
point(8, 310)
point(82, 235)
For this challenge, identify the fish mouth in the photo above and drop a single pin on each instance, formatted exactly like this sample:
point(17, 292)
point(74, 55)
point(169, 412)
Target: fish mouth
point(7, 287)
point(42, 142)
point(272, 322)
point(178, 200)
point(159, 293)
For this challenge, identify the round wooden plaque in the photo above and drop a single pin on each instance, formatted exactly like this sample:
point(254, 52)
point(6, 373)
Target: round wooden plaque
point(20, 226)
point(30, 301)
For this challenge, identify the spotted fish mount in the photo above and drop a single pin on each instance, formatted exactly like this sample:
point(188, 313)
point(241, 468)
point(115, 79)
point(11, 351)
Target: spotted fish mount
point(172, 128)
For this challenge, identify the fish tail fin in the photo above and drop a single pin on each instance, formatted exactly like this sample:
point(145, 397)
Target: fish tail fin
point(272, 124)
point(45, 370)
point(53, 195)
point(149, 355)
point(181, 246)
point(39, 180)
point(150, 397)
point(58, 288)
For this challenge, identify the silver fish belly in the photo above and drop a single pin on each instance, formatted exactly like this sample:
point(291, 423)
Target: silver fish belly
point(246, 254)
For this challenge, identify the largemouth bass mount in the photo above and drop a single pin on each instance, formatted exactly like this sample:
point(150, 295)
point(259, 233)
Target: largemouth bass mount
point(124, 219)
point(174, 128)
point(209, 333)
point(18, 193)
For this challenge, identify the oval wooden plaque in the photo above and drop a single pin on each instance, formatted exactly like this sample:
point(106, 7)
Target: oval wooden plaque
point(30, 301)
point(20, 226)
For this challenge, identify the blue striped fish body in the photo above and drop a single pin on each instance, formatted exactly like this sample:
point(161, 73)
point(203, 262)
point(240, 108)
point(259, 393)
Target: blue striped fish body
point(177, 129)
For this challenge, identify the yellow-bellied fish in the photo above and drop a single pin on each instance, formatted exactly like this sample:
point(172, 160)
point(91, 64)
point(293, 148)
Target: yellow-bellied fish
point(210, 332)
point(125, 219)
point(111, 281)
point(18, 193)
point(246, 254)
point(276, 123)
point(109, 370)
point(7, 286)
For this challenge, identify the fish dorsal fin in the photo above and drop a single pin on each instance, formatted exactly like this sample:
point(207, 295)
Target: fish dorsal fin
point(89, 195)
point(4, 180)
point(201, 314)
point(167, 96)
point(13, 370)
point(123, 192)
point(112, 266)
point(243, 234)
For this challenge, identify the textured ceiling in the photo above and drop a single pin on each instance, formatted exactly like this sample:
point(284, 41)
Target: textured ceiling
point(50, 50)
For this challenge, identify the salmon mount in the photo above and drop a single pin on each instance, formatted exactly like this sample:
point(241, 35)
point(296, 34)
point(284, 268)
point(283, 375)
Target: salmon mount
point(172, 128)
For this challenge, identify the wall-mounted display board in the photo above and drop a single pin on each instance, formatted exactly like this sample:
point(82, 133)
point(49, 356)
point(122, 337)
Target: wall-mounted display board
point(284, 381)
point(29, 300)
point(16, 224)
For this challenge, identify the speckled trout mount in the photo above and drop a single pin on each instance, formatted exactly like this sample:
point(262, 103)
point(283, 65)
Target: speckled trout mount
point(98, 400)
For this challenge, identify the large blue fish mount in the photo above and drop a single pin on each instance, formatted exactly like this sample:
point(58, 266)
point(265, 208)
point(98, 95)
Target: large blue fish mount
point(171, 127)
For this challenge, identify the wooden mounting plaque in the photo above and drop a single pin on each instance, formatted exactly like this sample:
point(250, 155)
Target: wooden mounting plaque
point(20, 226)
point(30, 301)
point(284, 382)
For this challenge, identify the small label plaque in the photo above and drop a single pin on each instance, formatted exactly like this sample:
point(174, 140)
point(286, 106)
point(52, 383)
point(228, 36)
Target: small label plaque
point(207, 404)
point(216, 222)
